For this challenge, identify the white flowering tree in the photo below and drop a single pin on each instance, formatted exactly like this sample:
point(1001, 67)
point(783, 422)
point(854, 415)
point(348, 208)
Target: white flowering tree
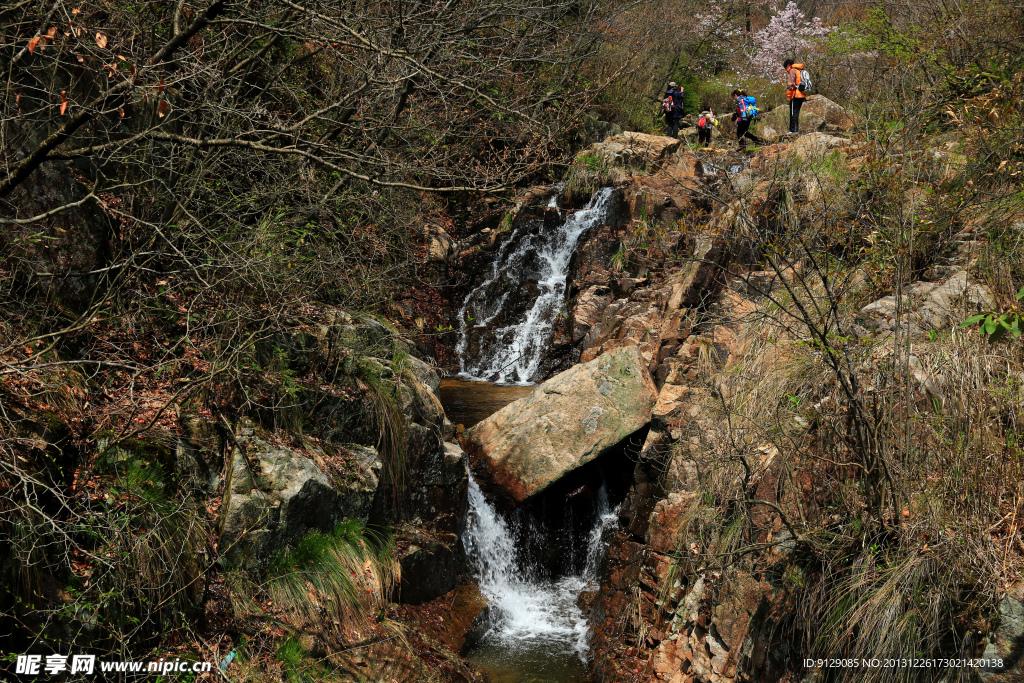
point(789, 33)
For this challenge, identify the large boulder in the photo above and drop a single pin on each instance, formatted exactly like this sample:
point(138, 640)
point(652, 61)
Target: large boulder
point(274, 495)
point(431, 564)
point(563, 424)
point(815, 145)
point(817, 114)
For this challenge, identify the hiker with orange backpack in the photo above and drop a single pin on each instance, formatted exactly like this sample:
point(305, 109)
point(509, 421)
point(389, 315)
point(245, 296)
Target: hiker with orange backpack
point(672, 107)
point(797, 87)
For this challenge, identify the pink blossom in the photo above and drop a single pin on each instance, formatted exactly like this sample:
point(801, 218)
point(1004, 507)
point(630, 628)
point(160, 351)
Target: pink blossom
point(788, 34)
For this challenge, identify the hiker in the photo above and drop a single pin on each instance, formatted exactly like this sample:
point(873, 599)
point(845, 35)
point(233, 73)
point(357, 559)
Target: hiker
point(795, 87)
point(746, 112)
point(705, 122)
point(672, 106)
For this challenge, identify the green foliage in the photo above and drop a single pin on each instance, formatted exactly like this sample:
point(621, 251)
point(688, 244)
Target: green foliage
point(389, 423)
point(619, 258)
point(995, 324)
point(297, 666)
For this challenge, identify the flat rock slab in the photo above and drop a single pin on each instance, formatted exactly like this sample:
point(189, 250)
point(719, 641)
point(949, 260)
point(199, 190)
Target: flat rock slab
point(563, 424)
point(638, 150)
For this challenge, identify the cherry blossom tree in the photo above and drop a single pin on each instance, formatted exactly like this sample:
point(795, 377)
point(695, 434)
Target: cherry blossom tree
point(789, 33)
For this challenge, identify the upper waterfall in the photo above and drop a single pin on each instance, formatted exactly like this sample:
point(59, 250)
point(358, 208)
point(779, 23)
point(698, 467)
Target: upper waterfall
point(506, 322)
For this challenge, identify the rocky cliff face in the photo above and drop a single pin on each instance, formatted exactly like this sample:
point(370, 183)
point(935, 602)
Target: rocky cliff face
point(692, 303)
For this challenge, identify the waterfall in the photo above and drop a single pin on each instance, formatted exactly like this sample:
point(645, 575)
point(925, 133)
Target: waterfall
point(528, 613)
point(502, 335)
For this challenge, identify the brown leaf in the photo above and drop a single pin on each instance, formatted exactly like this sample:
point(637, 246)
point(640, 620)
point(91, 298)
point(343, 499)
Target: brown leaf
point(63, 102)
point(101, 39)
point(121, 111)
point(160, 88)
point(52, 33)
point(32, 44)
point(76, 11)
point(162, 108)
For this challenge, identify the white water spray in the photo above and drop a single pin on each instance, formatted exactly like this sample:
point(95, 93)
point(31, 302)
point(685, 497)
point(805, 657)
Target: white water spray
point(512, 352)
point(527, 613)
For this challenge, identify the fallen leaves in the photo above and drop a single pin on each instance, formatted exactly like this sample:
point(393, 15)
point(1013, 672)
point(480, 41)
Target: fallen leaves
point(101, 39)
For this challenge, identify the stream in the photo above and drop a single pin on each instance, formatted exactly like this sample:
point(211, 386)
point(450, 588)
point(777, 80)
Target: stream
point(532, 563)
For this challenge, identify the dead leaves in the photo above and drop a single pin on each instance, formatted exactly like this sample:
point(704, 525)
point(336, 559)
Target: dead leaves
point(101, 39)
point(41, 39)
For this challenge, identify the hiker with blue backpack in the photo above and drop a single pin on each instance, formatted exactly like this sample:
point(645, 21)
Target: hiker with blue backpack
point(798, 86)
point(672, 107)
point(746, 112)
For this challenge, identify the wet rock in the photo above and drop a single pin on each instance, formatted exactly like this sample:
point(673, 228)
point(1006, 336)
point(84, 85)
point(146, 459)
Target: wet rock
point(1007, 641)
point(434, 482)
point(590, 304)
point(457, 619)
point(431, 564)
point(564, 423)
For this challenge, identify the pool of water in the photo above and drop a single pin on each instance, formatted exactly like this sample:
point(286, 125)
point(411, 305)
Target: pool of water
point(466, 402)
point(541, 636)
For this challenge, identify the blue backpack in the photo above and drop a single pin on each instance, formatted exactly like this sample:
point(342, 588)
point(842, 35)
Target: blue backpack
point(741, 108)
point(750, 107)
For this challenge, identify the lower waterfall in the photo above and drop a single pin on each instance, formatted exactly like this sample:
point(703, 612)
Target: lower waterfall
point(535, 625)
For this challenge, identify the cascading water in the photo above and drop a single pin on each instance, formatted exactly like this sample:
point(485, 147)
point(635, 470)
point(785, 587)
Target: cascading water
point(531, 570)
point(535, 626)
point(503, 337)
